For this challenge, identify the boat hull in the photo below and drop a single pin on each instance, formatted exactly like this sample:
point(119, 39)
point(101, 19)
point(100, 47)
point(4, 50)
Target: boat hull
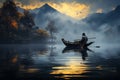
point(75, 45)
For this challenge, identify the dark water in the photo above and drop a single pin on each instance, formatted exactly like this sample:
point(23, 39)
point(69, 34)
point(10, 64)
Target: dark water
point(53, 62)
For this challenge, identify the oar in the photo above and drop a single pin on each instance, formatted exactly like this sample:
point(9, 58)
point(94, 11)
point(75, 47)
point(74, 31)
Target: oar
point(88, 38)
point(97, 46)
point(92, 38)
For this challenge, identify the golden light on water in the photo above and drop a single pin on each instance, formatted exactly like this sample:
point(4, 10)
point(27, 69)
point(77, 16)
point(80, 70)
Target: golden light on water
point(73, 9)
point(15, 59)
point(32, 70)
point(73, 67)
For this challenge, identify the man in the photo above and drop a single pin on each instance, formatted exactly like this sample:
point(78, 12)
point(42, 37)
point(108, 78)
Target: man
point(83, 40)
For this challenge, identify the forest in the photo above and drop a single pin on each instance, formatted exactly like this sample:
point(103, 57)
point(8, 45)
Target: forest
point(17, 27)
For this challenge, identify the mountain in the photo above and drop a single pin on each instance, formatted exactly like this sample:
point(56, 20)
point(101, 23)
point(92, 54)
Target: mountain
point(99, 19)
point(46, 13)
point(113, 16)
point(35, 11)
point(17, 27)
point(46, 9)
point(108, 23)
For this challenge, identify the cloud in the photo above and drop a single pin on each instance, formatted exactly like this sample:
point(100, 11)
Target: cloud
point(74, 29)
point(75, 10)
point(31, 5)
point(93, 5)
point(106, 5)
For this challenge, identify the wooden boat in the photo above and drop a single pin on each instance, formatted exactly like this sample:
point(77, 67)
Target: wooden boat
point(76, 44)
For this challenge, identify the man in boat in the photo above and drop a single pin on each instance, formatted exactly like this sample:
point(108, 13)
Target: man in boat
point(83, 40)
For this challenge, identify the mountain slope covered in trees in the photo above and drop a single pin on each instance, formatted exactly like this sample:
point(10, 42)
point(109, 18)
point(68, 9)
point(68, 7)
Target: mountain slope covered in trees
point(18, 27)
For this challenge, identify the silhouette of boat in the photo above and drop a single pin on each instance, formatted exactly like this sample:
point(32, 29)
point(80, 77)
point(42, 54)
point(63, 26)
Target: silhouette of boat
point(83, 52)
point(76, 44)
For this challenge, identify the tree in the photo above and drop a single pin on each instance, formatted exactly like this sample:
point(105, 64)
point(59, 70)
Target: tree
point(8, 20)
point(9, 8)
point(52, 29)
point(27, 23)
point(27, 20)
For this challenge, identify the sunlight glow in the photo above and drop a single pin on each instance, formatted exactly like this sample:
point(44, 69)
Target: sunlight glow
point(31, 6)
point(70, 68)
point(73, 9)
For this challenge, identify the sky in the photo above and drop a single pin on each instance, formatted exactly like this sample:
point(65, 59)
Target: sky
point(79, 9)
point(74, 8)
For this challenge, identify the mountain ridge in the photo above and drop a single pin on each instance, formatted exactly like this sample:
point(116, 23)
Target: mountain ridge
point(47, 13)
point(102, 18)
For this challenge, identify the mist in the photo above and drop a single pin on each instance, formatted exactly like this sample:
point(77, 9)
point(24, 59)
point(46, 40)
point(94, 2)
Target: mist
point(72, 29)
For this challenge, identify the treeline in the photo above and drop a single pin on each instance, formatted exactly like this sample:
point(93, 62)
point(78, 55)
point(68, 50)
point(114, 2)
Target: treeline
point(17, 27)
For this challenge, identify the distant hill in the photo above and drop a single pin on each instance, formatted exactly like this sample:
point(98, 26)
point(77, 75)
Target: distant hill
point(108, 23)
point(98, 19)
point(47, 13)
point(46, 9)
point(44, 14)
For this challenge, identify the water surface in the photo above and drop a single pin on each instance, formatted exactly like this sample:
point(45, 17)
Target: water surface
point(36, 61)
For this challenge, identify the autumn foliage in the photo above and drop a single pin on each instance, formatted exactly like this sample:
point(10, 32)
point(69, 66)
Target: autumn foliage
point(18, 27)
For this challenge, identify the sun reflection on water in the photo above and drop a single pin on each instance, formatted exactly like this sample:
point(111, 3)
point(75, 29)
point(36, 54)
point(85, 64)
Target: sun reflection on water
point(72, 68)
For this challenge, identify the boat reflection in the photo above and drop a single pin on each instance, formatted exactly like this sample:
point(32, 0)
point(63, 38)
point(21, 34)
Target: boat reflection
point(74, 67)
point(83, 52)
point(49, 63)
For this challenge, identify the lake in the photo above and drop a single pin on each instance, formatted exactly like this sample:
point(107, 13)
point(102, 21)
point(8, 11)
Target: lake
point(54, 62)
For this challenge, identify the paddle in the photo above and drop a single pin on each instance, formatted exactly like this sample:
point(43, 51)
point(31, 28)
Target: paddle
point(88, 38)
point(92, 38)
point(97, 46)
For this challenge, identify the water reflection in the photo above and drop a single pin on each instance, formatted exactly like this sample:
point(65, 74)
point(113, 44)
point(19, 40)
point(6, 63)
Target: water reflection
point(74, 66)
point(17, 60)
point(8, 62)
point(69, 69)
point(48, 62)
point(83, 52)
